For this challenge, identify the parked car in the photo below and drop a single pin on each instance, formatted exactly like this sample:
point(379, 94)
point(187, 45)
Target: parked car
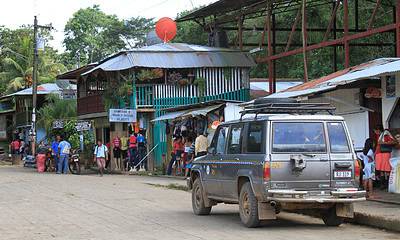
point(284, 157)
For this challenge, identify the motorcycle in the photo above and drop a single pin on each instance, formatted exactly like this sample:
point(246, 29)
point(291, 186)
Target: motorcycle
point(74, 163)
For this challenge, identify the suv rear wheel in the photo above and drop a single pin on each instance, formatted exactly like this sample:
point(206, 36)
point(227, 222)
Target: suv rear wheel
point(330, 218)
point(198, 199)
point(248, 206)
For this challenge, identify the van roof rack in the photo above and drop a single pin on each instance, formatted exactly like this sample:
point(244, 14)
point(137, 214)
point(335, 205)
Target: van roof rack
point(287, 108)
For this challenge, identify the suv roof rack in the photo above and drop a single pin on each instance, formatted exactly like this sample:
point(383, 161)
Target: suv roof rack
point(286, 107)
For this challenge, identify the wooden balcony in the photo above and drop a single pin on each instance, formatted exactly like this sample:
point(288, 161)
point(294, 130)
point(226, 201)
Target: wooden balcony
point(90, 104)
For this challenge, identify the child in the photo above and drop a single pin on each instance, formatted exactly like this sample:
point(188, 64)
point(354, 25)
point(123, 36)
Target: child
point(369, 166)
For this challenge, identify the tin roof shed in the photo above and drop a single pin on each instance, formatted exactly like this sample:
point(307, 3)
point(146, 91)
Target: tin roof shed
point(175, 55)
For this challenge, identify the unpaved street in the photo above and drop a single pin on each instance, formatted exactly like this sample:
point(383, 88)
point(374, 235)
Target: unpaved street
point(48, 206)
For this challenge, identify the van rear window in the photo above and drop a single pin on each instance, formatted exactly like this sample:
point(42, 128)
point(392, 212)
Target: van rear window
point(338, 138)
point(298, 137)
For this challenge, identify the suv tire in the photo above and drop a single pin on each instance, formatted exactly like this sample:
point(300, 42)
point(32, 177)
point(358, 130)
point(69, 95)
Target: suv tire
point(331, 219)
point(248, 206)
point(198, 199)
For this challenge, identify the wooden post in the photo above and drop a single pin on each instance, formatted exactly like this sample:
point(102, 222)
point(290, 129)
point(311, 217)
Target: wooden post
point(398, 28)
point(240, 32)
point(346, 33)
point(270, 63)
point(304, 35)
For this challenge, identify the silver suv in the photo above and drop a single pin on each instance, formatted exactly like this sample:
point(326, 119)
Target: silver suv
point(288, 159)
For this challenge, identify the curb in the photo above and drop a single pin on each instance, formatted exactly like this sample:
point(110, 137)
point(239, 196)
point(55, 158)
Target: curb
point(375, 221)
point(384, 201)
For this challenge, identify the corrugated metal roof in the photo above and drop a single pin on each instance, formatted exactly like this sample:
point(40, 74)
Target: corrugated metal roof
point(42, 89)
point(368, 70)
point(175, 55)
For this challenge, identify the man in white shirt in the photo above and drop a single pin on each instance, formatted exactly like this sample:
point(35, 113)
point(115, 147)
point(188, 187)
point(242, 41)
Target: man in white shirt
point(100, 155)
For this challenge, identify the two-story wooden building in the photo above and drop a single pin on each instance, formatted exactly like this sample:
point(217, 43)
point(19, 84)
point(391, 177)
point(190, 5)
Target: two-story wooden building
point(157, 77)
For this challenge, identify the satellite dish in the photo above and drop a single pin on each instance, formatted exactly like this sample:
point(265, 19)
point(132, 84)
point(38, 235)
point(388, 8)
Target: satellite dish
point(152, 38)
point(62, 83)
point(166, 29)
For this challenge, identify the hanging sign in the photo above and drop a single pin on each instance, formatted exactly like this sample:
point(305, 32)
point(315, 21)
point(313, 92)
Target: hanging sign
point(58, 124)
point(122, 115)
point(82, 126)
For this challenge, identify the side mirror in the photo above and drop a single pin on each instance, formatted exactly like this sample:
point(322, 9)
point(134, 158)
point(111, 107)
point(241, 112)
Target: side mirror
point(211, 150)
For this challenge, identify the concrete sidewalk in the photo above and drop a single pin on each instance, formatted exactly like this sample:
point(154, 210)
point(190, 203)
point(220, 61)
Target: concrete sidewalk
point(370, 213)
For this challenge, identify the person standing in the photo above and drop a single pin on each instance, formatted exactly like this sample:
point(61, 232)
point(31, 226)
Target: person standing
point(14, 148)
point(132, 150)
point(383, 155)
point(54, 151)
point(124, 152)
point(201, 145)
point(116, 144)
point(369, 166)
point(64, 149)
point(100, 155)
point(141, 142)
point(177, 150)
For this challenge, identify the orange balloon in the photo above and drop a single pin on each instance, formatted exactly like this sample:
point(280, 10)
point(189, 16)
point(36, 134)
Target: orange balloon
point(166, 29)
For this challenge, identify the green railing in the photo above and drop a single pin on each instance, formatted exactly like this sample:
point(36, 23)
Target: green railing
point(144, 95)
point(162, 103)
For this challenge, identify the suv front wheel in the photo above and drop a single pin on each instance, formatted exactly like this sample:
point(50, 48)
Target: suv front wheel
point(198, 199)
point(248, 206)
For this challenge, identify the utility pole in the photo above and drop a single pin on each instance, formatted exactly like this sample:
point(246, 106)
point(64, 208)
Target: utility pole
point(35, 80)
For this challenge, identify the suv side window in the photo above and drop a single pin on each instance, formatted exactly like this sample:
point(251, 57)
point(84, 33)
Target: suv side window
point(255, 136)
point(337, 138)
point(220, 140)
point(235, 139)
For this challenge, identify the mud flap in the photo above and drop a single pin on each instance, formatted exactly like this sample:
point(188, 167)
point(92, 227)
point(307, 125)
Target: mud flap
point(345, 210)
point(266, 211)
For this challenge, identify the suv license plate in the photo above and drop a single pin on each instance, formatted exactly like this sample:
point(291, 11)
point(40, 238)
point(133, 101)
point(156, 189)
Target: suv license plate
point(342, 174)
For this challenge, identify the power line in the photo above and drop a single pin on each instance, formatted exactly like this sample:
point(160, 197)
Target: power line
point(152, 6)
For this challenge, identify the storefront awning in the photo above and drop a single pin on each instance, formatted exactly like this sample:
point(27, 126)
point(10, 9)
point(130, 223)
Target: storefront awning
point(188, 113)
point(169, 116)
point(201, 111)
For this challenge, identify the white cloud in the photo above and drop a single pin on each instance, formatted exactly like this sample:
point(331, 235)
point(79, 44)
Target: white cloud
point(20, 12)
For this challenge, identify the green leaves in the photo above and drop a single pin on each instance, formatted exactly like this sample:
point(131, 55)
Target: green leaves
point(95, 35)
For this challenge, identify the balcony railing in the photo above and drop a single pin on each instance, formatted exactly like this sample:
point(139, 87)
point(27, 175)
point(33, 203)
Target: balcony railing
point(23, 118)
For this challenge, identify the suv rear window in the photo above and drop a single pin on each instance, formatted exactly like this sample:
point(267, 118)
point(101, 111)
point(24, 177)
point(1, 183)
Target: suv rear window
point(298, 137)
point(337, 138)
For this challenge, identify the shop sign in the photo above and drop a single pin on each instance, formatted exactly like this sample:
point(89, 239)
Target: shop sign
point(122, 115)
point(83, 126)
point(373, 92)
point(58, 124)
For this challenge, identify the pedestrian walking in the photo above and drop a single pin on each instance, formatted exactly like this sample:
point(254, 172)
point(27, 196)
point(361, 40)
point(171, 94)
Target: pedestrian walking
point(132, 150)
point(100, 155)
point(64, 150)
point(116, 144)
point(54, 150)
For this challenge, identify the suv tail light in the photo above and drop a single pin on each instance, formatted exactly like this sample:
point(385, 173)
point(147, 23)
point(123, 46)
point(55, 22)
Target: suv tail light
point(267, 171)
point(357, 171)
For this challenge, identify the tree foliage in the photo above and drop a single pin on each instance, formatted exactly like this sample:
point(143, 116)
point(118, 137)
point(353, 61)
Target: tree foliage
point(93, 34)
point(16, 60)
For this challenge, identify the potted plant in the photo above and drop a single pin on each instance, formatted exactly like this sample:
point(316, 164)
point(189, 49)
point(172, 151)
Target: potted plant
point(200, 82)
point(183, 82)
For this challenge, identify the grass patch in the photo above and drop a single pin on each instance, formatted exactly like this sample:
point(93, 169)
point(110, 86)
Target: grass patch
point(172, 186)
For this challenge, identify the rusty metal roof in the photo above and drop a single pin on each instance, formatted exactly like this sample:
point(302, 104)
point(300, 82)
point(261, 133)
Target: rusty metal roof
point(369, 70)
point(175, 55)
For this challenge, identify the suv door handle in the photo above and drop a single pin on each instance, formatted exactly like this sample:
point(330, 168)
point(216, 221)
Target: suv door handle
point(324, 160)
point(237, 159)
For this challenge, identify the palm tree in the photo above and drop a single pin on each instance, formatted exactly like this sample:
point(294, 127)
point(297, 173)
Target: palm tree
point(17, 68)
point(56, 109)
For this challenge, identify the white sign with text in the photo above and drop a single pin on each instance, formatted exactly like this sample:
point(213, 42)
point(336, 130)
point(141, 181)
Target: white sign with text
point(122, 115)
